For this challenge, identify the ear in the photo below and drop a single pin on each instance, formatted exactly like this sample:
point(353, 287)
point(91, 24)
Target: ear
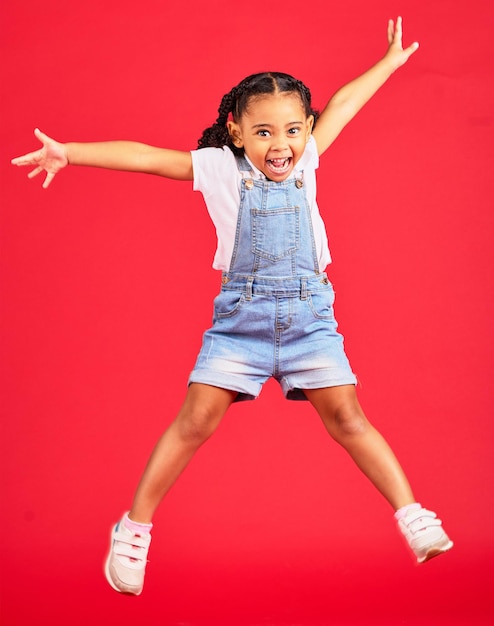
point(235, 133)
point(310, 126)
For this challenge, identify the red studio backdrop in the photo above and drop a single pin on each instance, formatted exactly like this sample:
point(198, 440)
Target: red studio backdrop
point(107, 286)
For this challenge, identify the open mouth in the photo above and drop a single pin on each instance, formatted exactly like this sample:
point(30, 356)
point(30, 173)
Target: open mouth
point(279, 166)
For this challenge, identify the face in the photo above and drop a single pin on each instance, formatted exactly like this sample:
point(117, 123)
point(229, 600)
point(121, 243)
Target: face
point(273, 132)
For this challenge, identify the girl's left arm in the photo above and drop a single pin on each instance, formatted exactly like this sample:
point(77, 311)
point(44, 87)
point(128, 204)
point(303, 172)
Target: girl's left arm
point(348, 100)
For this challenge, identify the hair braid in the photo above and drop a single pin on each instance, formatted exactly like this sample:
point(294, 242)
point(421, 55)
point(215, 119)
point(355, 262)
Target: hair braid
point(217, 135)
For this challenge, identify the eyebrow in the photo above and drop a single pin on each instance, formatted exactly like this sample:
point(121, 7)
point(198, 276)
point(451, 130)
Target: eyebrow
point(271, 125)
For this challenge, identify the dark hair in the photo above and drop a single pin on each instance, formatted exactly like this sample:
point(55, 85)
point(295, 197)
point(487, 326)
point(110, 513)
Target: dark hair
point(236, 101)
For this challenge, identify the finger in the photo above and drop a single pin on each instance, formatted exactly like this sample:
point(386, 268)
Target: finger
point(412, 48)
point(49, 177)
point(399, 29)
point(41, 136)
point(391, 31)
point(35, 172)
point(31, 158)
point(26, 159)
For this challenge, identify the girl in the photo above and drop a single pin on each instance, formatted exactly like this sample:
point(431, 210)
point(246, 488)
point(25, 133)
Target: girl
point(274, 315)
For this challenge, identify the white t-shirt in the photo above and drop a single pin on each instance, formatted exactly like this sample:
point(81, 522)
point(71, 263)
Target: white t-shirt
point(218, 178)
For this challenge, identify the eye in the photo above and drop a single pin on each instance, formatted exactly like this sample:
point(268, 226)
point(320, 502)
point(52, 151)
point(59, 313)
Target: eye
point(263, 133)
point(294, 131)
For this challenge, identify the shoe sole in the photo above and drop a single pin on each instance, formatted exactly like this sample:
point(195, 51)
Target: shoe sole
point(435, 551)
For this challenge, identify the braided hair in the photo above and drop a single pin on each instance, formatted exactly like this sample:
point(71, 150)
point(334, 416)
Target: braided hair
point(236, 101)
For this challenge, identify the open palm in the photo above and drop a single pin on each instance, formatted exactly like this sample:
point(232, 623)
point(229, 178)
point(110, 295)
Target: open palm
point(50, 158)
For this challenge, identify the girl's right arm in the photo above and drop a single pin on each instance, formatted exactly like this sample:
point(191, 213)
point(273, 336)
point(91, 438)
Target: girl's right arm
point(129, 156)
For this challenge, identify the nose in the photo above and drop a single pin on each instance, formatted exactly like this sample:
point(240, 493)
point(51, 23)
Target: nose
point(279, 142)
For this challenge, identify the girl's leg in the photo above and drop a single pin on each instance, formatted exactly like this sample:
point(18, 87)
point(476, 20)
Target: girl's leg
point(198, 418)
point(345, 421)
point(201, 413)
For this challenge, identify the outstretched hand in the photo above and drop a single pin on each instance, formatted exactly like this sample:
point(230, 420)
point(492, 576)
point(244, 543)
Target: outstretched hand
point(396, 53)
point(50, 158)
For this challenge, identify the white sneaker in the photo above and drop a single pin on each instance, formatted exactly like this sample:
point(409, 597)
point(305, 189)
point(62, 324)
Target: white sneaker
point(126, 562)
point(423, 532)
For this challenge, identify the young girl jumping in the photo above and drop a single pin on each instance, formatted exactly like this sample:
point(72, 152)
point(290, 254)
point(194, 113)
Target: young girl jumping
point(256, 168)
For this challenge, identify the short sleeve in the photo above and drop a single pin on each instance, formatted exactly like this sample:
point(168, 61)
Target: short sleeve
point(209, 165)
point(310, 158)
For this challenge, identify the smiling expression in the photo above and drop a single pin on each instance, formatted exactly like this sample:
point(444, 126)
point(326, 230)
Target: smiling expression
point(273, 131)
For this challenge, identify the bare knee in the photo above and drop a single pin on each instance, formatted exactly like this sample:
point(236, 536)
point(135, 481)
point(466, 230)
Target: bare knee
point(347, 420)
point(195, 425)
point(203, 408)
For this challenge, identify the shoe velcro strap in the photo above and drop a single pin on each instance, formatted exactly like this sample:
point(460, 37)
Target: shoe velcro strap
point(131, 540)
point(422, 519)
point(125, 549)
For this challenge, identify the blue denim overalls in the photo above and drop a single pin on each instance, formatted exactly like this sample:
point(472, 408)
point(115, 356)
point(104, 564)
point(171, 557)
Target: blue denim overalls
point(274, 315)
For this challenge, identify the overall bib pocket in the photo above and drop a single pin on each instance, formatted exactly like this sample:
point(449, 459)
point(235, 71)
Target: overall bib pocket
point(275, 232)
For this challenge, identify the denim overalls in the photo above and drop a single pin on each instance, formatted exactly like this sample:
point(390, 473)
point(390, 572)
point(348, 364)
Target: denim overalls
point(274, 315)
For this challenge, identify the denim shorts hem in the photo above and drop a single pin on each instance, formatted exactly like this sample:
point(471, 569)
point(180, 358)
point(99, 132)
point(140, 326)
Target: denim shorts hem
point(246, 389)
point(293, 386)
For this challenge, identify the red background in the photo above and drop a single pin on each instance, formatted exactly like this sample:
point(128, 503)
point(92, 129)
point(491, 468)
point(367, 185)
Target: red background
point(107, 286)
